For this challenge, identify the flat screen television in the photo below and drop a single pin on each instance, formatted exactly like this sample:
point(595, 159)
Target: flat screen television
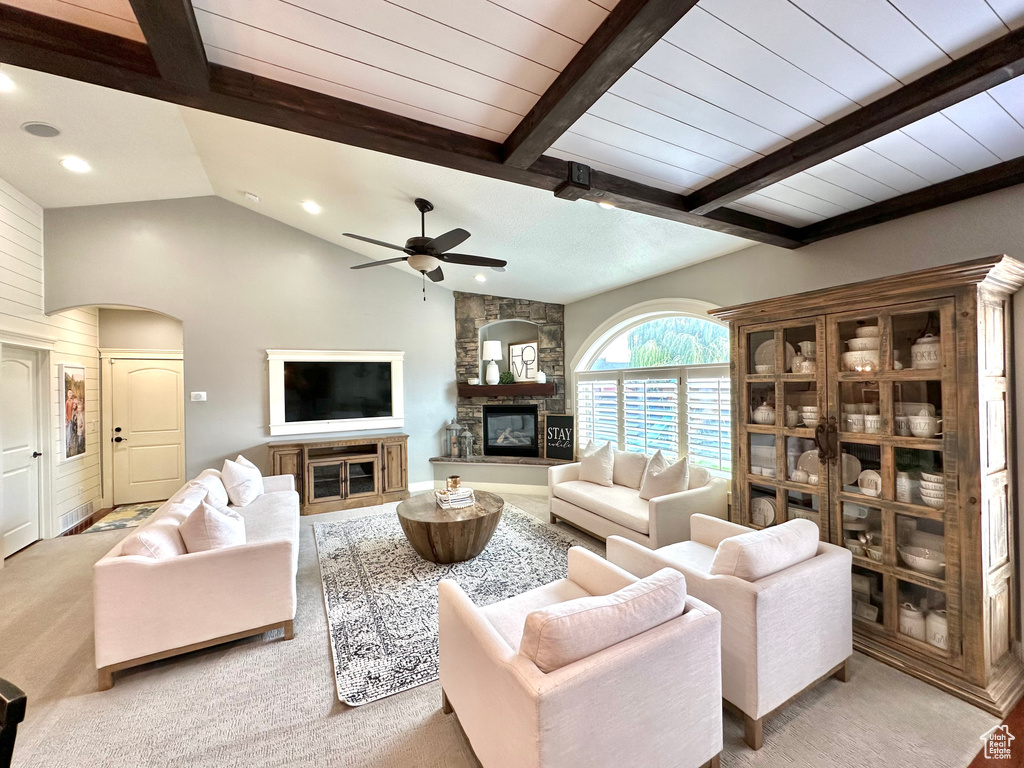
point(313, 391)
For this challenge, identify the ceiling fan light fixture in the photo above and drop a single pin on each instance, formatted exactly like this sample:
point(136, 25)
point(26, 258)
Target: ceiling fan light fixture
point(423, 262)
point(311, 206)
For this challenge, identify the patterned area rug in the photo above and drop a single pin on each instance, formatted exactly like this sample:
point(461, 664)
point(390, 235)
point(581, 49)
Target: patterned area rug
point(381, 597)
point(125, 516)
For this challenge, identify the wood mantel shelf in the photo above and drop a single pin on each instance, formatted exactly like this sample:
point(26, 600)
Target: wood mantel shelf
point(520, 389)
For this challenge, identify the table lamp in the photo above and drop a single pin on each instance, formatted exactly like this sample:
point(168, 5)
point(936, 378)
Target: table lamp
point(492, 352)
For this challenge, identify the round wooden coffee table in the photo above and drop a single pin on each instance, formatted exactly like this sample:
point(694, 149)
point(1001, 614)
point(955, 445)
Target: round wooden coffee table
point(449, 535)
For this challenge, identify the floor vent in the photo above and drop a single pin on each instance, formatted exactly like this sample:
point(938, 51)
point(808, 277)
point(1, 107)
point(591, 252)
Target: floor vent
point(75, 516)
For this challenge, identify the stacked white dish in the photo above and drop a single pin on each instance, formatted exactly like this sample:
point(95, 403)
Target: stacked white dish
point(932, 490)
point(809, 415)
point(863, 354)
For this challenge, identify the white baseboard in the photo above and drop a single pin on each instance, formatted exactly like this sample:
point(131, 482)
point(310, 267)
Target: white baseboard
point(424, 485)
point(521, 488)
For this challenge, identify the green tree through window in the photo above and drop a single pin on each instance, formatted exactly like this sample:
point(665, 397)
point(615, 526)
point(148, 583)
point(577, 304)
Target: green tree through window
point(666, 341)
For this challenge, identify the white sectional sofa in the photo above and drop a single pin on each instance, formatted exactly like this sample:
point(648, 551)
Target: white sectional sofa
point(618, 510)
point(150, 608)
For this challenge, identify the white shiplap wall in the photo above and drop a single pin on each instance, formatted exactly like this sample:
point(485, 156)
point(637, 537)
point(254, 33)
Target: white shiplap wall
point(71, 337)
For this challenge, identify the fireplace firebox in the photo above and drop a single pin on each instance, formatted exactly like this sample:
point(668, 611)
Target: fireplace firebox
point(510, 430)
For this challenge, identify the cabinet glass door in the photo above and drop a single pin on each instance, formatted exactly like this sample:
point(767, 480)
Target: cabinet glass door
point(362, 477)
point(325, 480)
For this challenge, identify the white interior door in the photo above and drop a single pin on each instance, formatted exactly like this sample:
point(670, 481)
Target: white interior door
point(19, 436)
point(147, 429)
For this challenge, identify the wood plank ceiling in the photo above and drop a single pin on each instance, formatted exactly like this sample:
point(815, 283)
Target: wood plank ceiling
point(732, 82)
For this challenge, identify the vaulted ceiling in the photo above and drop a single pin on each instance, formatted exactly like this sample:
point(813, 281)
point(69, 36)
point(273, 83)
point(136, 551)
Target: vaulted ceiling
point(781, 121)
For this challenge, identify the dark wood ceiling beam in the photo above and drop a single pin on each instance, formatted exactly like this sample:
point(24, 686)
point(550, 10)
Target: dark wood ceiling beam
point(627, 33)
point(985, 68)
point(989, 179)
point(172, 33)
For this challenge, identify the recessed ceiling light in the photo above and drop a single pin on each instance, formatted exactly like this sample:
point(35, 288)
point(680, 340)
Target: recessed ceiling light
point(252, 197)
point(75, 164)
point(310, 206)
point(6, 84)
point(42, 130)
point(606, 205)
point(480, 278)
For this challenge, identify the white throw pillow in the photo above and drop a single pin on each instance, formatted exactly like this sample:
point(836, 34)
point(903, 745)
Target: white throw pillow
point(212, 526)
point(160, 539)
point(672, 479)
point(629, 468)
point(591, 447)
point(655, 464)
point(210, 479)
point(599, 466)
point(242, 480)
point(755, 555)
point(566, 632)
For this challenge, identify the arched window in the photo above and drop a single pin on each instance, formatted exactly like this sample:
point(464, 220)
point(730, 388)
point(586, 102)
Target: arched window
point(658, 381)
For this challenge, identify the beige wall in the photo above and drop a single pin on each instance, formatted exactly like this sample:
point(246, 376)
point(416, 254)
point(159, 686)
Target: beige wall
point(70, 337)
point(242, 283)
point(138, 329)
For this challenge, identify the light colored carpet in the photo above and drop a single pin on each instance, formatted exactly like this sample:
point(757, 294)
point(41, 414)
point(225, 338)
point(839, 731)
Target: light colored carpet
point(263, 702)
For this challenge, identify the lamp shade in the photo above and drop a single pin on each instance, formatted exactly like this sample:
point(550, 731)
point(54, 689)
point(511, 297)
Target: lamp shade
point(492, 350)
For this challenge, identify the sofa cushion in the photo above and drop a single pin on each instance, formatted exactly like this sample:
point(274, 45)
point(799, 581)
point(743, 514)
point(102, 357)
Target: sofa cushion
point(211, 480)
point(598, 467)
point(699, 477)
point(695, 556)
point(212, 526)
point(614, 502)
point(181, 504)
point(755, 555)
point(656, 464)
point(160, 539)
point(243, 481)
point(561, 634)
point(628, 468)
point(672, 479)
point(508, 616)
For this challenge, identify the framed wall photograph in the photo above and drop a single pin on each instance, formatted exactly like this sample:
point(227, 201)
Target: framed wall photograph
point(73, 440)
point(559, 437)
point(522, 361)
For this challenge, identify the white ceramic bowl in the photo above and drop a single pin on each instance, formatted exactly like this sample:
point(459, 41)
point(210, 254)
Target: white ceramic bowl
point(923, 560)
point(472, 382)
point(932, 494)
point(867, 342)
point(931, 477)
point(875, 552)
point(810, 420)
point(933, 503)
point(854, 546)
point(867, 331)
point(764, 368)
point(929, 486)
point(866, 360)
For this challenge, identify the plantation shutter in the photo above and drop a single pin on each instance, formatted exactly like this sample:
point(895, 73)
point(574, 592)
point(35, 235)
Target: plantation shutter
point(651, 415)
point(597, 412)
point(708, 412)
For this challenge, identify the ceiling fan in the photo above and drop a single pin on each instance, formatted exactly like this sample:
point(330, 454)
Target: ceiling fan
point(426, 254)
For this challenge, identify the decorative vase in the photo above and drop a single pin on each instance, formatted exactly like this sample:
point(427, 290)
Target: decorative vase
point(492, 373)
point(541, 377)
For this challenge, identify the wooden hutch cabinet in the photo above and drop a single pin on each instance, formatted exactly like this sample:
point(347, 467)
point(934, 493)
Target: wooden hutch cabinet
point(343, 474)
point(882, 411)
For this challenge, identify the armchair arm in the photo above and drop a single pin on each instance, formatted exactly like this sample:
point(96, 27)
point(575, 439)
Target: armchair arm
point(670, 514)
point(595, 574)
point(278, 483)
point(637, 559)
point(710, 531)
point(563, 473)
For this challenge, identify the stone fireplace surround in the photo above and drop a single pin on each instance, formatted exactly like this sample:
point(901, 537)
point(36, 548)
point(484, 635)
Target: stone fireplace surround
point(472, 312)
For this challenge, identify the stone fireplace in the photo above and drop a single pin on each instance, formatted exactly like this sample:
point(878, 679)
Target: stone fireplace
point(474, 313)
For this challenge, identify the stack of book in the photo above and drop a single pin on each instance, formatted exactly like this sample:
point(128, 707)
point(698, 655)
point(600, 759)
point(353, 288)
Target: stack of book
point(460, 497)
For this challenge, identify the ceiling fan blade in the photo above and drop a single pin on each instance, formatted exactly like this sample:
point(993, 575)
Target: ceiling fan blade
point(378, 242)
point(447, 241)
point(378, 263)
point(475, 261)
point(436, 275)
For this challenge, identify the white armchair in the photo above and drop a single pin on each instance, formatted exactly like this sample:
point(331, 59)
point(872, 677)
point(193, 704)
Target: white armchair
point(653, 699)
point(781, 633)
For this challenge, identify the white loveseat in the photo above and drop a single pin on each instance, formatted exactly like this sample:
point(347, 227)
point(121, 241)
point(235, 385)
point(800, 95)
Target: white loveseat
point(784, 597)
point(651, 700)
point(618, 510)
point(148, 608)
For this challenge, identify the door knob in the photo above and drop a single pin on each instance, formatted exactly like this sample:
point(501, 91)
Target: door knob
point(120, 439)
point(36, 454)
